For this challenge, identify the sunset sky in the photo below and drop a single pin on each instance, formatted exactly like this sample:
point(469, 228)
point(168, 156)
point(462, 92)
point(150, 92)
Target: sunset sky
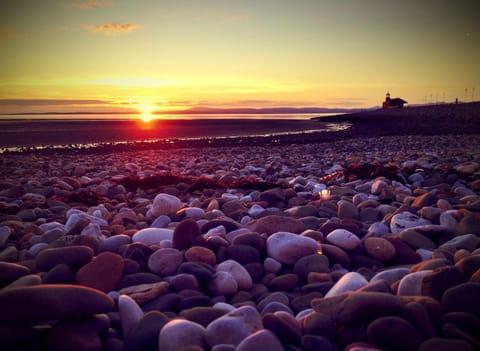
point(115, 55)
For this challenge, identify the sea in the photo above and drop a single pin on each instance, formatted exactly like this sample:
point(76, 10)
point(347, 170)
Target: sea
point(19, 131)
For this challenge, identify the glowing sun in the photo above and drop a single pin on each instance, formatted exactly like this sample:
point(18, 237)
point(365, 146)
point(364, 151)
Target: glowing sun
point(146, 113)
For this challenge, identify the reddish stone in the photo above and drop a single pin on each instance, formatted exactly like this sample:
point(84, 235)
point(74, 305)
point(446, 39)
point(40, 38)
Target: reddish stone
point(102, 273)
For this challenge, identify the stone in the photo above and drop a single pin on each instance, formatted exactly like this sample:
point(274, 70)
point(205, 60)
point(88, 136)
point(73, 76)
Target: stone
point(60, 274)
point(404, 254)
point(179, 334)
point(411, 284)
point(260, 340)
point(271, 266)
point(223, 283)
point(186, 234)
point(26, 280)
point(391, 275)
point(418, 315)
point(202, 271)
point(469, 265)
point(390, 333)
point(379, 248)
point(234, 209)
point(466, 241)
point(74, 256)
point(144, 293)
point(358, 306)
point(273, 195)
point(335, 254)
point(200, 254)
point(284, 326)
point(273, 307)
point(184, 281)
point(203, 315)
point(288, 248)
point(427, 199)
point(462, 298)
point(405, 220)
point(311, 263)
point(444, 344)
point(351, 281)
point(102, 273)
point(377, 186)
point(274, 223)
point(284, 282)
point(279, 297)
point(138, 279)
point(417, 240)
point(344, 239)
point(165, 204)
point(114, 243)
point(51, 301)
point(11, 271)
point(319, 323)
point(234, 326)
point(347, 210)
point(144, 335)
point(130, 314)
point(153, 235)
point(77, 335)
point(317, 342)
point(165, 261)
point(243, 254)
point(239, 273)
point(252, 239)
point(469, 224)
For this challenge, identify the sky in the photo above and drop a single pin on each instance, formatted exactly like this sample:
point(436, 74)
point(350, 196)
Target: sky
point(122, 55)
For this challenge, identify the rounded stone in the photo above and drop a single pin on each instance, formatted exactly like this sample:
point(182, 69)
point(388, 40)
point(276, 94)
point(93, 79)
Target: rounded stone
point(411, 284)
point(462, 298)
point(284, 282)
point(243, 254)
point(344, 239)
point(404, 220)
point(130, 313)
point(390, 332)
point(102, 273)
point(76, 335)
point(11, 271)
point(51, 301)
point(144, 335)
point(153, 235)
point(284, 326)
point(74, 256)
point(239, 273)
point(165, 204)
point(319, 323)
point(288, 248)
point(417, 240)
point(311, 263)
point(165, 261)
point(223, 283)
point(444, 344)
point(186, 234)
point(179, 334)
point(201, 254)
point(351, 281)
point(234, 327)
point(347, 210)
point(275, 223)
point(260, 340)
point(203, 315)
point(379, 248)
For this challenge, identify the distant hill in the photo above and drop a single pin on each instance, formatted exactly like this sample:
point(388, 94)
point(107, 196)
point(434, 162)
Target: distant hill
point(267, 110)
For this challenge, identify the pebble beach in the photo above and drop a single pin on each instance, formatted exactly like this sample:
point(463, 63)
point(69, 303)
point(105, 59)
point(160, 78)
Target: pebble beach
point(366, 243)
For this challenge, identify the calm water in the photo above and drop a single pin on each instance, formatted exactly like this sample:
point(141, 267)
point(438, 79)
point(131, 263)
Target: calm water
point(43, 130)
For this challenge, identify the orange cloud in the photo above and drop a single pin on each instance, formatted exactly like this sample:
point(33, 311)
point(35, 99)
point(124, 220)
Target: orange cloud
point(114, 27)
point(89, 4)
point(7, 32)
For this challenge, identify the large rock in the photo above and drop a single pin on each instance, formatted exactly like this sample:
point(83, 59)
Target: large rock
point(186, 234)
point(288, 248)
point(50, 302)
point(165, 261)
